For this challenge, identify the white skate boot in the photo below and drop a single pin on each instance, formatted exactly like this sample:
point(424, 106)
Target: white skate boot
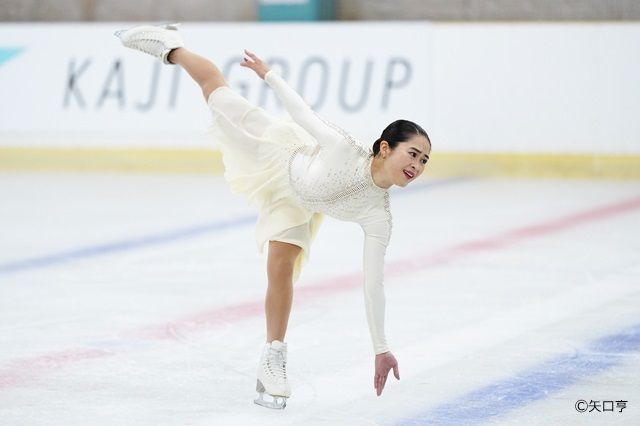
point(272, 376)
point(156, 40)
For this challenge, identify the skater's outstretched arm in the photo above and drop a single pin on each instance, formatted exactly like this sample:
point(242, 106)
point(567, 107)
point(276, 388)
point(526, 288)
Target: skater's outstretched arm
point(297, 108)
point(377, 234)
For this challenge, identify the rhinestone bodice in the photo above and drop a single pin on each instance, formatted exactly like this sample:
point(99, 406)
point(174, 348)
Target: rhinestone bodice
point(336, 181)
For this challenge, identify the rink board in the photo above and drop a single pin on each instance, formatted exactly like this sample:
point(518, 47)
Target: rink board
point(207, 161)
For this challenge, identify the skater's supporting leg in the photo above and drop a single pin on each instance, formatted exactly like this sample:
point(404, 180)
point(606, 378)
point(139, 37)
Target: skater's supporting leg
point(280, 263)
point(202, 70)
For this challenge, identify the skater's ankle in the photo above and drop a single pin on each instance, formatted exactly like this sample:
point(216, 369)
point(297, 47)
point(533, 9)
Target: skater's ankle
point(172, 57)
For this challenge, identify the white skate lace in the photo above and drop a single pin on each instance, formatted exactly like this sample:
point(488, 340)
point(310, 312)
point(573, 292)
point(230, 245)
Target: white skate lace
point(277, 364)
point(148, 45)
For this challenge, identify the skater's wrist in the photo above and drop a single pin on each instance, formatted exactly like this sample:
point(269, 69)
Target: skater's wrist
point(380, 349)
point(267, 74)
point(263, 73)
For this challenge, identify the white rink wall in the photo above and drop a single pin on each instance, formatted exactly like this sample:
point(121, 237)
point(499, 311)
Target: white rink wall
point(475, 87)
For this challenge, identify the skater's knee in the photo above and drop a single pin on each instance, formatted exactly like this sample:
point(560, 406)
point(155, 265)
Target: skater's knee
point(210, 85)
point(280, 267)
point(282, 258)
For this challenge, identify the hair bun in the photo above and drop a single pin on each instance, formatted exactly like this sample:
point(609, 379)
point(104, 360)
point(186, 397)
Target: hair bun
point(376, 146)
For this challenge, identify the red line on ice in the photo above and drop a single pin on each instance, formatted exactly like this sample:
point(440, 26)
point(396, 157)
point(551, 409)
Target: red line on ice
point(23, 370)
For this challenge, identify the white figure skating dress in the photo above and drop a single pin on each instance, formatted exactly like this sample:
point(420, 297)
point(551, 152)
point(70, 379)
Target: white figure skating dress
point(295, 172)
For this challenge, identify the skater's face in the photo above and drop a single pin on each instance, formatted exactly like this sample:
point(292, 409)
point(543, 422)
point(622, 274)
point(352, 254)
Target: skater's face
point(407, 161)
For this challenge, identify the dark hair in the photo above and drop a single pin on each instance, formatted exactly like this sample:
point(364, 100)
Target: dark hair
point(397, 132)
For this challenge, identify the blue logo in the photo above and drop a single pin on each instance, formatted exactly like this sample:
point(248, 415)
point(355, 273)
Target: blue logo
point(7, 54)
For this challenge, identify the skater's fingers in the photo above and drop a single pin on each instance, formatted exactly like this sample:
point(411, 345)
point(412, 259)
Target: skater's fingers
point(396, 371)
point(382, 386)
point(252, 55)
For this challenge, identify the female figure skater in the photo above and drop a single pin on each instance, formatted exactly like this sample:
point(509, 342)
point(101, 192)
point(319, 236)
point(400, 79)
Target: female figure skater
point(295, 172)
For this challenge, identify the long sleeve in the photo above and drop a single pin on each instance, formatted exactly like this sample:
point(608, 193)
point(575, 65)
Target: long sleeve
point(301, 112)
point(377, 235)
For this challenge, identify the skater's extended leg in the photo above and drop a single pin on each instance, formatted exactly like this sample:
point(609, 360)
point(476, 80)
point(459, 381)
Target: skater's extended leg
point(280, 263)
point(165, 43)
point(202, 70)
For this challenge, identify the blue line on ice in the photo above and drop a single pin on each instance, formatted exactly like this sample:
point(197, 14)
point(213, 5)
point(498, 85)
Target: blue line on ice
point(162, 238)
point(119, 246)
point(487, 403)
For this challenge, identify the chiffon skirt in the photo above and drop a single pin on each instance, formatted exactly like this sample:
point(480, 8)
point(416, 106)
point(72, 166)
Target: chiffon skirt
point(256, 149)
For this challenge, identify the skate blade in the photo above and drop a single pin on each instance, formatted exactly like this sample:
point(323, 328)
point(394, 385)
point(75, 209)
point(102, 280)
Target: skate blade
point(166, 25)
point(170, 25)
point(276, 402)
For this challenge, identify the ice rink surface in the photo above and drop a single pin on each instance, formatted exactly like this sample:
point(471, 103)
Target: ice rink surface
point(138, 300)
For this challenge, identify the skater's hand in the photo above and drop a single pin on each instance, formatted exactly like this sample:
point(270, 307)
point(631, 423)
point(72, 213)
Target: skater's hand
point(384, 363)
point(255, 63)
